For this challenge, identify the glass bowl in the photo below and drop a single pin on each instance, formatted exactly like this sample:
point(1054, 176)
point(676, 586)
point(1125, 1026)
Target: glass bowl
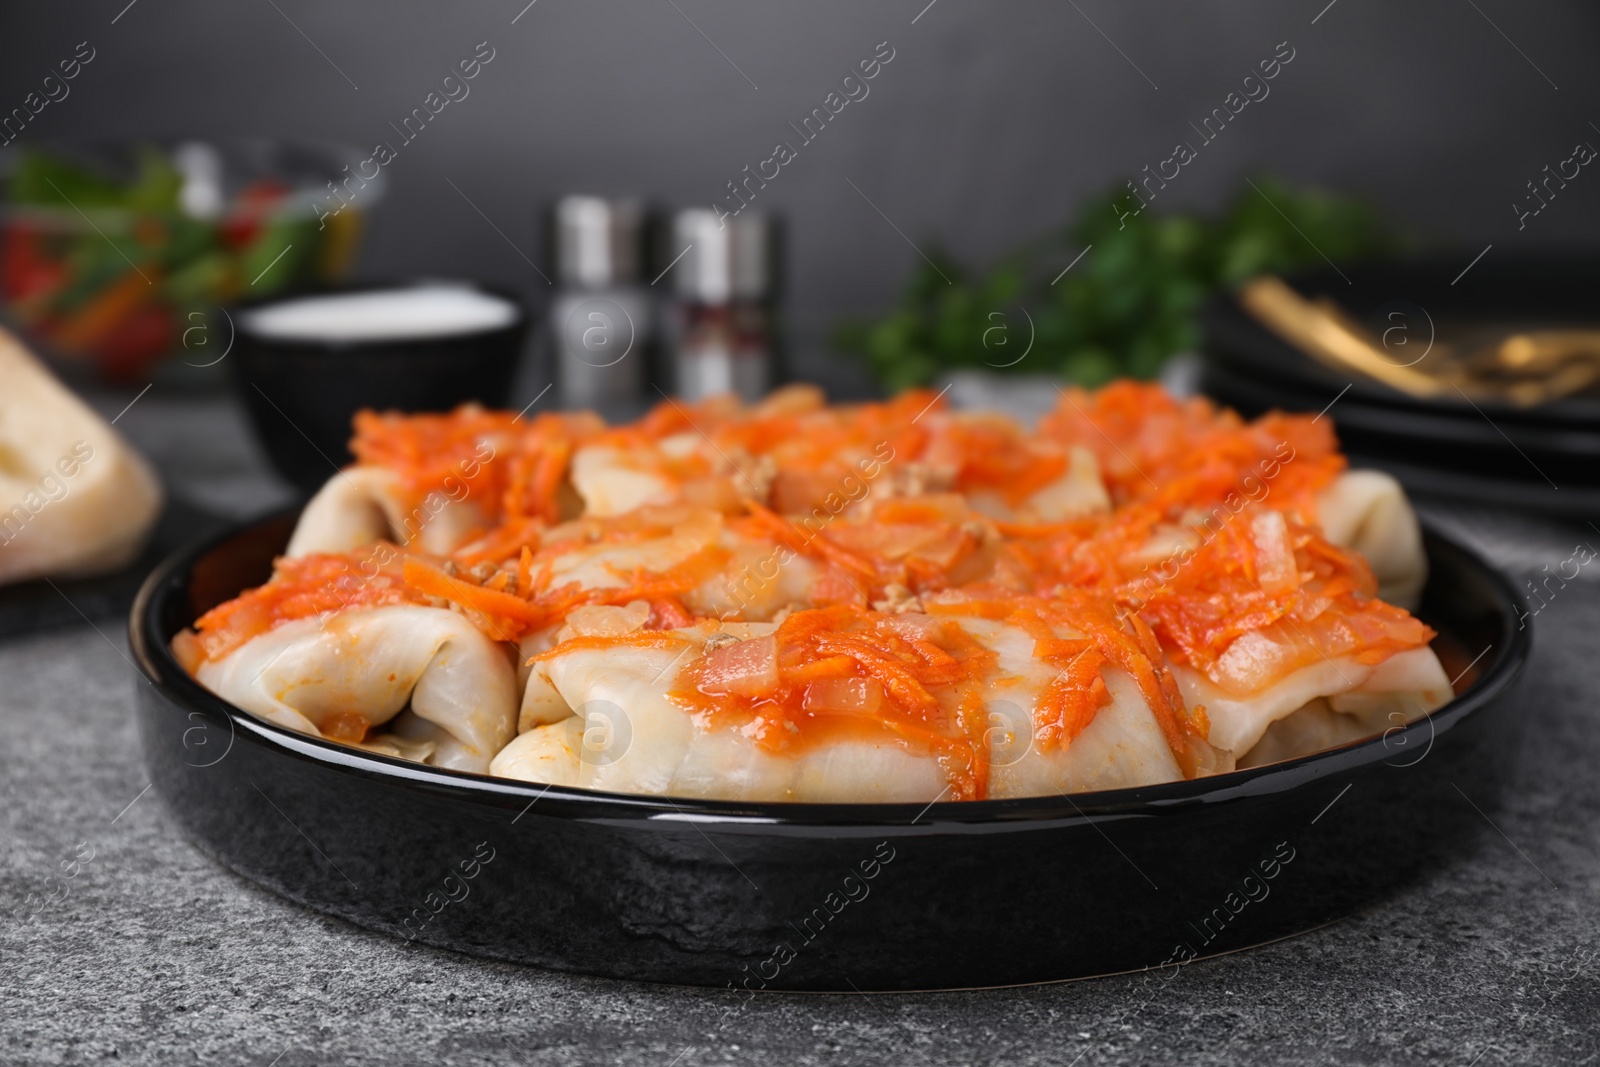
point(116, 254)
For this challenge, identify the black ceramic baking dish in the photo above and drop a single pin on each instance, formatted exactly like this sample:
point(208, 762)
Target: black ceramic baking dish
point(823, 897)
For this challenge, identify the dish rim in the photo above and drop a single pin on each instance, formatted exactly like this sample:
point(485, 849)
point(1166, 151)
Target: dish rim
point(160, 668)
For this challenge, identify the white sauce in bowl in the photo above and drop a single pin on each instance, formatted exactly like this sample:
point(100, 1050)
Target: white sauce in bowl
point(413, 313)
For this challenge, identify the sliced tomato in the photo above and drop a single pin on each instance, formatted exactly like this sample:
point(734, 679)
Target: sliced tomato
point(142, 338)
point(250, 210)
point(26, 270)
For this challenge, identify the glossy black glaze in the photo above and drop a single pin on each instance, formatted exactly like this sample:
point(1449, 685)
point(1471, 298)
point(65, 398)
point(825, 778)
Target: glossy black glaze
point(301, 395)
point(704, 892)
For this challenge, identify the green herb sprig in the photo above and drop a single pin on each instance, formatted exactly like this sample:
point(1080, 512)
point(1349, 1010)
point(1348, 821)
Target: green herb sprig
point(1127, 307)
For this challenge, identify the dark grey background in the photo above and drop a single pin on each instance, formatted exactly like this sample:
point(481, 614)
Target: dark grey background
point(993, 122)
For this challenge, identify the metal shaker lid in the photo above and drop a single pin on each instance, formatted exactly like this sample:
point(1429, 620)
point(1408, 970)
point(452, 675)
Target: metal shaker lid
point(731, 259)
point(598, 243)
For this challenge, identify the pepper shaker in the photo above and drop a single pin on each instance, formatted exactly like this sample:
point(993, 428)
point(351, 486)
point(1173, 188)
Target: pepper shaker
point(722, 326)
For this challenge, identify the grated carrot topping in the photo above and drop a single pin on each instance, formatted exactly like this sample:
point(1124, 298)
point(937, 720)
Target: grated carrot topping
point(1171, 575)
point(430, 581)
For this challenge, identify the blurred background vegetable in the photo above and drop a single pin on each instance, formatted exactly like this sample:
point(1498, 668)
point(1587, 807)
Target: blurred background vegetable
point(110, 251)
point(1127, 307)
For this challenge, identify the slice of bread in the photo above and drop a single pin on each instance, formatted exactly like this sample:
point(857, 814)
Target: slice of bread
point(75, 498)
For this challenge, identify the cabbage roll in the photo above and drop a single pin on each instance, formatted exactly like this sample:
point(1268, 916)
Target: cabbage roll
point(1368, 511)
point(842, 705)
point(1398, 691)
point(341, 675)
point(1370, 698)
point(1009, 474)
point(427, 482)
point(877, 602)
point(1270, 617)
point(360, 506)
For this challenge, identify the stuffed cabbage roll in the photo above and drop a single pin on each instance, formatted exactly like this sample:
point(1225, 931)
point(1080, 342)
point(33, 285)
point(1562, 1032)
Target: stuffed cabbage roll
point(1270, 617)
point(339, 664)
point(842, 704)
point(875, 602)
point(799, 458)
point(658, 566)
point(1009, 474)
point(1399, 691)
point(1364, 698)
point(363, 505)
point(427, 482)
point(1368, 511)
point(1198, 464)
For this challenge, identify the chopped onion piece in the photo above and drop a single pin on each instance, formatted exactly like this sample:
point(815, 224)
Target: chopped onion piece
point(1275, 565)
point(744, 668)
point(1253, 661)
point(605, 620)
point(844, 696)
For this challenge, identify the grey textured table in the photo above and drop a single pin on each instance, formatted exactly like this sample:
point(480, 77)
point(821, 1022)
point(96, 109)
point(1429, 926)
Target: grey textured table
point(158, 955)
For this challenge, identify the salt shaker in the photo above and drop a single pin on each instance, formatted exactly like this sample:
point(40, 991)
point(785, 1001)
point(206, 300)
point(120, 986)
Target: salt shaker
point(601, 320)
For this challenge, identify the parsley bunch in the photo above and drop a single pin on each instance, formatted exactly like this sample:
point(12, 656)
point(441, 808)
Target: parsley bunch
point(1127, 307)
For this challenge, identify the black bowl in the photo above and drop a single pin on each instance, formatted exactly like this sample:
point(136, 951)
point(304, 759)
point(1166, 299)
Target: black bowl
point(816, 896)
point(301, 395)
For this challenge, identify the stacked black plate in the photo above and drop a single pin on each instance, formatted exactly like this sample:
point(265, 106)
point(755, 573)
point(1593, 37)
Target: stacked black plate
point(1545, 458)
